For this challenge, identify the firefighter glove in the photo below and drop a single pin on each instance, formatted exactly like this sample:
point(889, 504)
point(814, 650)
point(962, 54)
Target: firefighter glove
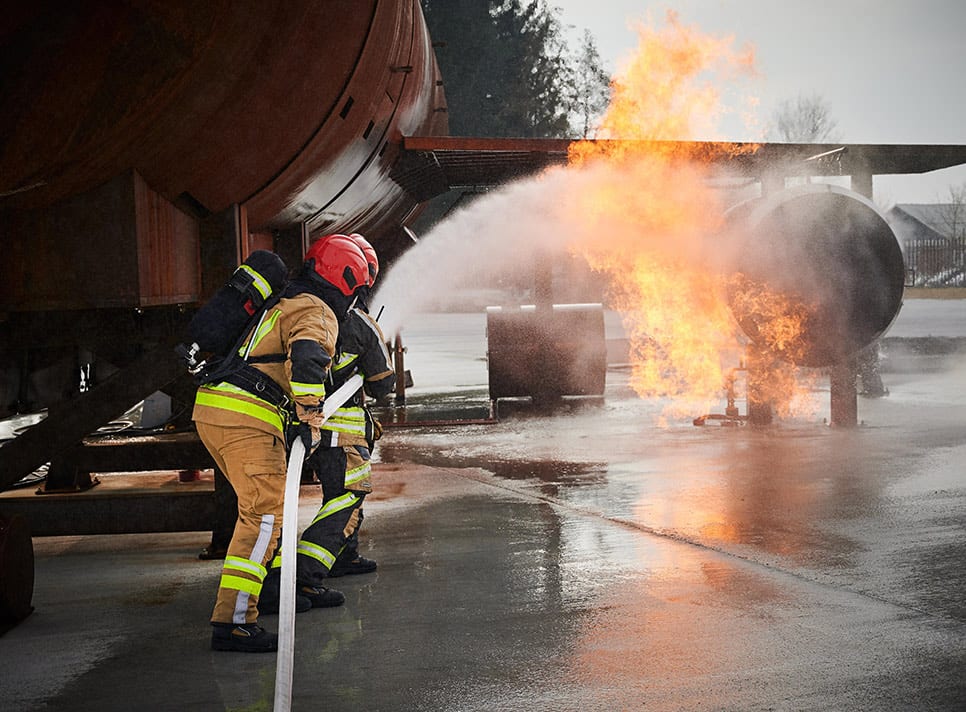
point(311, 437)
point(310, 414)
point(310, 420)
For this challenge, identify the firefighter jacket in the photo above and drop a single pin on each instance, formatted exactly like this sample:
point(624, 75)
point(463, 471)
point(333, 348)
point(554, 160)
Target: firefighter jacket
point(361, 349)
point(293, 346)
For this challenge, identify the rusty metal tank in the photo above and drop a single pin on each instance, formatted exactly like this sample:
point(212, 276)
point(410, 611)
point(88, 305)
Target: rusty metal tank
point(819, 273)
point(147, 147)
point(288, 108)
point(546, 351)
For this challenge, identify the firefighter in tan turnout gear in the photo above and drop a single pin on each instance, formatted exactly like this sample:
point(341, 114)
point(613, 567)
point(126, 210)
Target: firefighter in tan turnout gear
point(242, 422)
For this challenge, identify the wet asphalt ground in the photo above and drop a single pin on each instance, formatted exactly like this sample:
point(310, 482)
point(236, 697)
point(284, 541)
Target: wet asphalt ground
point(586, 557)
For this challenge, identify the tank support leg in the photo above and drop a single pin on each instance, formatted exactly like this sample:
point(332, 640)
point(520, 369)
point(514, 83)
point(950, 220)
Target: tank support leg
point(398, 352)
point(760, 410)
point(844, 395)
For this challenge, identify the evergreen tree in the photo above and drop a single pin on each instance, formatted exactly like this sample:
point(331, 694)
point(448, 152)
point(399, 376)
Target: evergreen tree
point(505, 66)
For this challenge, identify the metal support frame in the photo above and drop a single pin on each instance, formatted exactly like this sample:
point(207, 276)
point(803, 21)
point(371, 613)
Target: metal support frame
point(399, 362)
point(844, 408)
point(67, 425)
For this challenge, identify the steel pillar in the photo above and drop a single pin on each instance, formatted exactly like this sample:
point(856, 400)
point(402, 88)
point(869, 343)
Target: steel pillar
point(844, 395)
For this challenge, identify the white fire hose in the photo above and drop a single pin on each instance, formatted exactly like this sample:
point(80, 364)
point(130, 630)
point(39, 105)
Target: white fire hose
point(290, 529)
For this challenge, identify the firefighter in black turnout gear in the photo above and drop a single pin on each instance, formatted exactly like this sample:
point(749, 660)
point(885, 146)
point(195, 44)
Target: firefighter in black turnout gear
point(342, 459)
point(362, 350)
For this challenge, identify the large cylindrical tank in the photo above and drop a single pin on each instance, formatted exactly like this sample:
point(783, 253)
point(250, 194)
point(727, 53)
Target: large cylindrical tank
point(285, 107)
point(819, 273)
point(128, 124)
point(146, 147)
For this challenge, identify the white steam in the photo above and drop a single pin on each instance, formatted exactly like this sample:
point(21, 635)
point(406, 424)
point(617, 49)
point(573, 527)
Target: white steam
point(504, 232)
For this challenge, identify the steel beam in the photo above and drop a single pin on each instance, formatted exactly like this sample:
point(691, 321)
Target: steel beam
point(103, 511)
point(67, 424)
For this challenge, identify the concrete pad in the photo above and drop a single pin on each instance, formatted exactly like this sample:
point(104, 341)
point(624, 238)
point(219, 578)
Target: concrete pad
point(596, 556)
point(488, 596)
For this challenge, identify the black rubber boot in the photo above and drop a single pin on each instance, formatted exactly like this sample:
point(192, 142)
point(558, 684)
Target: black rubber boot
point(320, 596)
point(248, 638)
point(269, 598)
point(212, 552)
point(351, 564)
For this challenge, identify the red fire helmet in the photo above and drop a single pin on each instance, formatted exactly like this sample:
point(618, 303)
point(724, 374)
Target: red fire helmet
point(339, 261)
point(370, 252)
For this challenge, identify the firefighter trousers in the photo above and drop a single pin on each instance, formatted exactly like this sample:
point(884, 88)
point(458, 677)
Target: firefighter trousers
point(341, 512)
point(254, 463)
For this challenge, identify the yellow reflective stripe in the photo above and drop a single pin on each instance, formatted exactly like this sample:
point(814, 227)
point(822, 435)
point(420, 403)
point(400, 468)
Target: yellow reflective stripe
point(228, 388)
point(308, 389)
point(359, 473)
point(336, 505)
point(348, 413)
point(344, 428)
point(237, 563)
point(266, 413)
point(263, 287)
point(349, 359)
point(241, 584)
point(264, 327)
point(347, 420)
point(317, 552)
point(361, 431)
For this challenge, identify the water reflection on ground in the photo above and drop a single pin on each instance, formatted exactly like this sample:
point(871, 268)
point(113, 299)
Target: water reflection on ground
point(829, 503)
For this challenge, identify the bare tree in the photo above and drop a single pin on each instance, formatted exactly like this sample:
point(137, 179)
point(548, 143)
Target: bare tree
point(953, 213)
point(953, 216)
point(805, 119)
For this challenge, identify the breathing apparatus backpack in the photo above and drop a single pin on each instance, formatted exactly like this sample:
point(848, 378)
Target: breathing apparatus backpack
point(217, 331)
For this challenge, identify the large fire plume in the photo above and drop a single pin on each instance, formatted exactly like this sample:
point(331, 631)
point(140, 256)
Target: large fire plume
point(650, 219)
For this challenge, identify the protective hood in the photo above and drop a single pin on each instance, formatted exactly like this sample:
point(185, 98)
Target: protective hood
point(310, 282)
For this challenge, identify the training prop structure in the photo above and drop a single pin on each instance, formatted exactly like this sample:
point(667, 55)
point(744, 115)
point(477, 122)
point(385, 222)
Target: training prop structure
point(521, 341)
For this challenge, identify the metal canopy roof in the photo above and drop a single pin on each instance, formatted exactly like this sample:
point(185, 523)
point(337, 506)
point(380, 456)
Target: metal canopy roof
point(431, 165)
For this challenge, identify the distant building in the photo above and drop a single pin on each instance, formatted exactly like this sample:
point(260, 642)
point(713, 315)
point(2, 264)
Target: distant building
point(933, 242)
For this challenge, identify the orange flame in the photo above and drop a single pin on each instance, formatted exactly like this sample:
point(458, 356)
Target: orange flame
point(647, 216)
point(775, 321)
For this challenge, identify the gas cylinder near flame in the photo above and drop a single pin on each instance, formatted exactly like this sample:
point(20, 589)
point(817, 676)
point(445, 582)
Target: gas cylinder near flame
point(818, 273)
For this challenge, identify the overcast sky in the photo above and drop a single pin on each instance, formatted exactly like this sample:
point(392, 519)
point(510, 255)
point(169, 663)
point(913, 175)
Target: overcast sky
point(891, 71)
